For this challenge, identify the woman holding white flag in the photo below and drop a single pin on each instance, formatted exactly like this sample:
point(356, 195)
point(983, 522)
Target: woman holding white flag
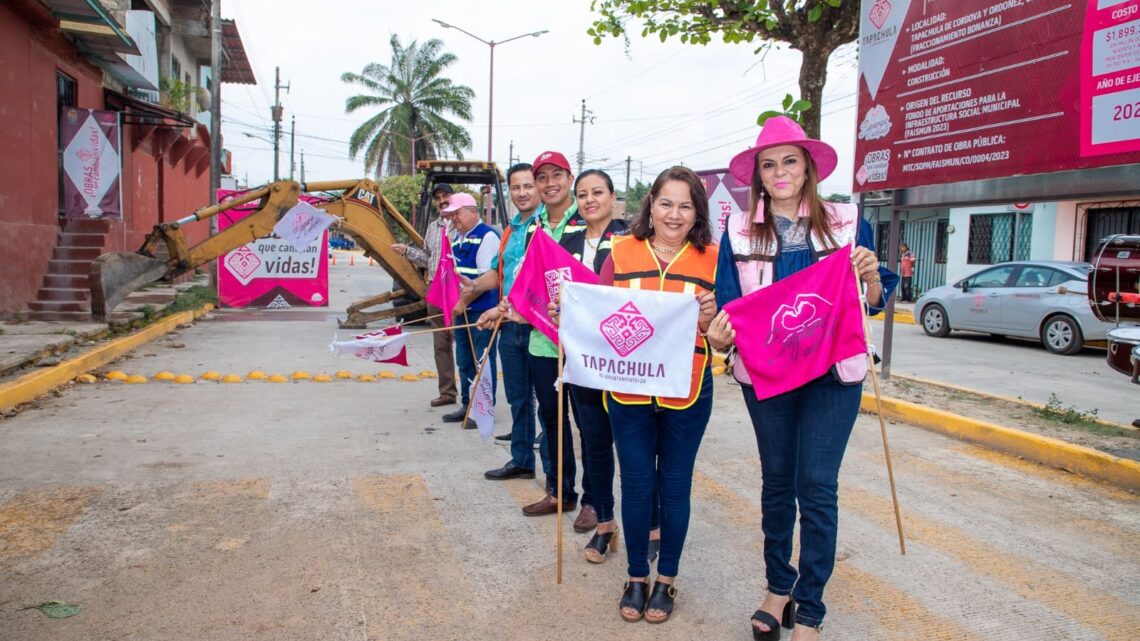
point(801, 434)
point(671, 249)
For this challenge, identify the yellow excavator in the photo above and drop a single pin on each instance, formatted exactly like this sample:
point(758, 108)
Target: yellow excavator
point(361, 210)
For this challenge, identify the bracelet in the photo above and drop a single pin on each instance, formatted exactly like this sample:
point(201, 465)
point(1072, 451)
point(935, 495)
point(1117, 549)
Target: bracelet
point(878, 280)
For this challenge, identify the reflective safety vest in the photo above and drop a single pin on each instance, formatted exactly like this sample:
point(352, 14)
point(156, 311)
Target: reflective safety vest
point(691, 272)
point(466, 250)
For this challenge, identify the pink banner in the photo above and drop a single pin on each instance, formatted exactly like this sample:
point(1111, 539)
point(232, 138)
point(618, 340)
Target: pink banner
point(444, 289)
point(544, 267)
point(91, 163)
point(270, 273)
point(794, 330)
point(726, 197)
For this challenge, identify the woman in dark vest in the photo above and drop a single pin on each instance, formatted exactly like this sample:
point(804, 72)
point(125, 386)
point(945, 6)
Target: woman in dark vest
point(801, 434)
point(589, 237)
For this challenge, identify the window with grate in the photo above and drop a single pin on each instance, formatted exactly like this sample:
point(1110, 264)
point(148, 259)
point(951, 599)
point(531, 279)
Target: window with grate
point(994, 239)
point(883, 238)
point(66, 96)
point(941, 241)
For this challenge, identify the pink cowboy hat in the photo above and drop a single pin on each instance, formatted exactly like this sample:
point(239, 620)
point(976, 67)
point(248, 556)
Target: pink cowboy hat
point(781, 130)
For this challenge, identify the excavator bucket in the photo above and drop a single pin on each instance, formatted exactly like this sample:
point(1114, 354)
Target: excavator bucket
point(114, 276)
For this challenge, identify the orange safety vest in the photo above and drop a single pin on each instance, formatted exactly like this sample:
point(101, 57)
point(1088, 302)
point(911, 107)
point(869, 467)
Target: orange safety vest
point(690, 271)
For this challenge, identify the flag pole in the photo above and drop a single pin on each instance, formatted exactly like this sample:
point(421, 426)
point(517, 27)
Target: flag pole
point(561, 356)
point(433, 330)
point(879, 408)
point(479, 372)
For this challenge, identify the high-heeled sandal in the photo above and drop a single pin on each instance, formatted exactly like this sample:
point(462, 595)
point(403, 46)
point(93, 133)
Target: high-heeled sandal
point(788, 620)
point(654, 548)
point(635, 597)
point(661, 599)
point(599, 544)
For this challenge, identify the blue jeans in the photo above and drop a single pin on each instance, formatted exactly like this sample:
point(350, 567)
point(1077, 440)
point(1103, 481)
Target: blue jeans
point(802, 435)
point(598, 452)
point(513, 341)
point(544, 372)
point(657, 448)
point(467, 365)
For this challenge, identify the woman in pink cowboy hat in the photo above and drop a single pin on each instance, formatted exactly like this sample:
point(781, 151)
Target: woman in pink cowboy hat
point(801, 434)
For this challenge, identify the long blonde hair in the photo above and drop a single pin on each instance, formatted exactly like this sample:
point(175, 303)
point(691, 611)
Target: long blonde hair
point(818, 217)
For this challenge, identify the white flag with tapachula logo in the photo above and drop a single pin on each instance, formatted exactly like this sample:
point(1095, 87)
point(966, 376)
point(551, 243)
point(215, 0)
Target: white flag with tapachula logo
point(628, 340)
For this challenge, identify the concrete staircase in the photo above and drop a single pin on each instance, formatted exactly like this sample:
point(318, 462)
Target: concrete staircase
point(65, 294)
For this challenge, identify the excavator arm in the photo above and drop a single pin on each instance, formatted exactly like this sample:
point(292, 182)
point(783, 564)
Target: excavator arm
point(361, 211)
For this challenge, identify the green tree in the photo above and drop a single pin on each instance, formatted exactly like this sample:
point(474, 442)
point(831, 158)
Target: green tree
point(816, 28)
point(415, 101)
point(637, 191)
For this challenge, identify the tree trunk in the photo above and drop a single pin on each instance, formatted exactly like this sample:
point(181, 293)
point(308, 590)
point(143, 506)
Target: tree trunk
point(813, 76)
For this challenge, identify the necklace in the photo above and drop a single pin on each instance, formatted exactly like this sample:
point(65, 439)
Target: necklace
point(593, 242)
point(663, 250)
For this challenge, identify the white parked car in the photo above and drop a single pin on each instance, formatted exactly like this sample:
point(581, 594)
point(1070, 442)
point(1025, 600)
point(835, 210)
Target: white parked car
point(1046, 300)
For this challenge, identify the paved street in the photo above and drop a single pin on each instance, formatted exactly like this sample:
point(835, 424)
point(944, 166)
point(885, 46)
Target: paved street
point(348, 511)
point(1015, 367)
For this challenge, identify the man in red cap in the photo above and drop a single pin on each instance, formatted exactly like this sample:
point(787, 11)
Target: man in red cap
point(555, 188)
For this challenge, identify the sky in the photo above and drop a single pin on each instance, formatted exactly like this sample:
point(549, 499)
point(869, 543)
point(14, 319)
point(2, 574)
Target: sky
point(657, 103)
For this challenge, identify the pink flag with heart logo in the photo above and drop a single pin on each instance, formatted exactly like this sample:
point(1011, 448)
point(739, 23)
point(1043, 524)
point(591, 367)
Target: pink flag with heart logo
point(794, 330)
point(444, 289)
point(545, 267)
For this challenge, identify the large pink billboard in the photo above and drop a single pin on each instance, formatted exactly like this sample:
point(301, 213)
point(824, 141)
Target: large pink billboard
point(977, 89)
point(270, 273)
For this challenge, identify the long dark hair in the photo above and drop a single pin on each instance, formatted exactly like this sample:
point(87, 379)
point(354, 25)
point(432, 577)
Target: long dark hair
point(700, 236)
point(818, 217)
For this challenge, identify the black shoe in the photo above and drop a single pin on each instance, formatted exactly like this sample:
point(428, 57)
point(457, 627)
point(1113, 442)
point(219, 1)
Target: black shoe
point(654, 548)
point(636, 597)
point(503, 437)
point(509, 471)
point(788, 620)
point(470, 425)
point(661, 599)
point(456, 416)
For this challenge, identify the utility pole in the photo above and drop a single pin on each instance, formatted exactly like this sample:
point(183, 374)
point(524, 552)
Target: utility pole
point(582, 133)
point(292, 143)
point(276, 112)
point(628, 161)
point(215, 119)
point(302, 165)
point(511, 155)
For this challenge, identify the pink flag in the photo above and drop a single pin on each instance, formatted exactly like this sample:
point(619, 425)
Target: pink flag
point(444, 290)
point(544, 267)
point(794, 330)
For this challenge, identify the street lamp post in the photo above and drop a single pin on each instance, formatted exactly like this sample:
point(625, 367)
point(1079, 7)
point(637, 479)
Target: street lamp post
point(491, 85)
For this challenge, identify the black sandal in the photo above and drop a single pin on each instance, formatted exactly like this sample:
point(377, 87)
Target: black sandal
point(661, 599)
point(654, 548)
point(635, 597)
point(788, 620)
point(600, 543)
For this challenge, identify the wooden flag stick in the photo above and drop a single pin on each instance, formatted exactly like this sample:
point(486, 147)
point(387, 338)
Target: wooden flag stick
point(558, 572)
point(879, 408)
point(439, 329)
point(479, 372)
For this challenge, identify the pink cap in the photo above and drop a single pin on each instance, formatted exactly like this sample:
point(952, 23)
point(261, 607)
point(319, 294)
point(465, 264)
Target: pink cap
point(459, 200)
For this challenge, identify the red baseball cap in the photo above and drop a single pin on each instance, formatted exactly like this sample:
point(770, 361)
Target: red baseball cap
point(551, 158)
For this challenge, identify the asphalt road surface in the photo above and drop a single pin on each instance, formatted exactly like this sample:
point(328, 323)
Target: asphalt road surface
point(347, 510)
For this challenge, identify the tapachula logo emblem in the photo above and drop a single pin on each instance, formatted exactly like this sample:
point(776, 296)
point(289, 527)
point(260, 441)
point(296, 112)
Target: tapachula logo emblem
point(626, 329)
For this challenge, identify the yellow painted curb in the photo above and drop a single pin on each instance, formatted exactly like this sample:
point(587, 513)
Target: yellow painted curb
point(999, 397)
point(902, 318)
point(42, 381)
point(1053, 452)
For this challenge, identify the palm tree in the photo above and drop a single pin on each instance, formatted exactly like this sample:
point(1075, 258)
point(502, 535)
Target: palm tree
point(414, 101)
